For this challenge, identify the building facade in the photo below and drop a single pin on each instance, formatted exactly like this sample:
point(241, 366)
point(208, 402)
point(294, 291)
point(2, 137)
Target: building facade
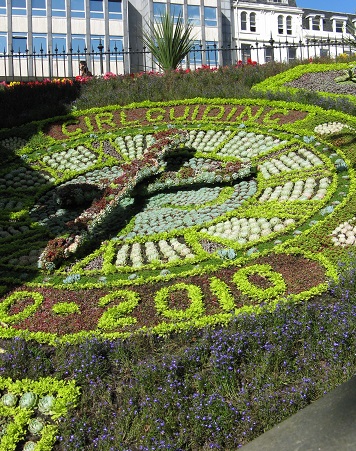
point(41, 38)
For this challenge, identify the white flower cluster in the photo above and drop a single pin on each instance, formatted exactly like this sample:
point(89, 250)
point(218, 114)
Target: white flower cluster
point(134, 147)
point(329, 128)
point(12, 143)
point(243, 230)
point(206, 141)
point(345, 233)
point(22, 178)
point(300, 190)
point(161, 251)
point(291, 161)
point(77, 159)
point(247, 145)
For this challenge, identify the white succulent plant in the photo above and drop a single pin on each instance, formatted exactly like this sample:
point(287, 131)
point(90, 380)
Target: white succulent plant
point(329, 128)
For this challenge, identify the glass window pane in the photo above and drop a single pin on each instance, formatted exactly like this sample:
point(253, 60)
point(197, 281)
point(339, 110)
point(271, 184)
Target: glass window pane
point(19, 3)
point(96, 9)
point(39, 4)
point(78, 44)
point(280, 24)
point(59, 44)
point(58, 4)
point(176, 11)
point(194, 14)
point(289, 25)
point(253, 22)
point(210, 17)
point(19, 44)
point(115, 9)
point(159, 10)
point(77, 8)
point(3, 43)
point(58, 8)
point(244, 21)
point(96, 5)
point(39, 42)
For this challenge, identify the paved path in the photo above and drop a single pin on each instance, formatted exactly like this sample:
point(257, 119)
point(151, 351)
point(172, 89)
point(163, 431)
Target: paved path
point(328, 424)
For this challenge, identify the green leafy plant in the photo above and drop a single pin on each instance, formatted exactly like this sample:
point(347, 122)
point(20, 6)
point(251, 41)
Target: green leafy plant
point(169, 41)
point(349, 75)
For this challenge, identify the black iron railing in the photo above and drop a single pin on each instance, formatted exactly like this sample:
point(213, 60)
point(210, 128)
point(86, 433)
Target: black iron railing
point(26, 65)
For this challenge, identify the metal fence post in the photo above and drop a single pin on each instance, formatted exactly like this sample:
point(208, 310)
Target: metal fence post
point(271, 41)
point(100, 48)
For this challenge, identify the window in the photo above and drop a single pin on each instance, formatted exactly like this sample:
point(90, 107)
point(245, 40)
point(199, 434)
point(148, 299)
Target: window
point(194, 15)
point(246, 52)
point(96, 9)
point(244, 21)
point(38, 7)
point(253, 22)
point(269, 56)
point(2, 7)
point(19, 7)
point(316, 23)
point(19, 43)
point(292, 54)
point(59, 44)
point(324, 53)
point(211, 54)
point(339, 26)
point(280, 24)
point(196, 55)
point(176, 11)
point(210, 19)
point(116, 45)
point(39, 42)
point(78, 44)
point(3, 43)
point(77, 8)
point(289, 24)
point(159, 10)
point(58, 8)
point(115, 9)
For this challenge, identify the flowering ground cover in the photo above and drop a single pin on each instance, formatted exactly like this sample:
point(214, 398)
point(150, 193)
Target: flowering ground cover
point(172, 217)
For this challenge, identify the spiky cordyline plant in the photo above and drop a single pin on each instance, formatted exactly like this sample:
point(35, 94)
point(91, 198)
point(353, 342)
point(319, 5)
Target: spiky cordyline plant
point(169, 42)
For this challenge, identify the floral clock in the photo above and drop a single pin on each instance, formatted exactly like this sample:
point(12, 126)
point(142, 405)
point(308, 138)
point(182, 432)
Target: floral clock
point(162, 217)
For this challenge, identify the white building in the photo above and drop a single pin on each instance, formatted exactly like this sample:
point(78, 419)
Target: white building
point(261, 25)
point(58, 34)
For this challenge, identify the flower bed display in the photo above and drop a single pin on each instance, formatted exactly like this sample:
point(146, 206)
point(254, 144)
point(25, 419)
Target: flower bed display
point(162, 217)
point(305, 77)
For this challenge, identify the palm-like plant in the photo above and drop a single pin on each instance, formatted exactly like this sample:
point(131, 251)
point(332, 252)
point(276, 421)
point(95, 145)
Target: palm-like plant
point(169, 41)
